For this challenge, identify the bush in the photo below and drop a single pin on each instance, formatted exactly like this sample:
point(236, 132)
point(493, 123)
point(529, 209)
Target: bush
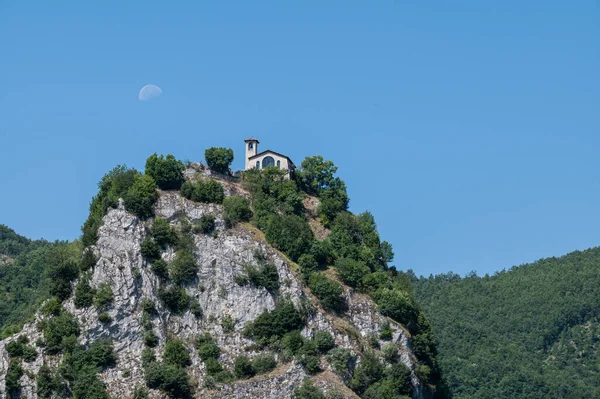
point(104, 318)
point(170, 379)
point(62, 269)
point(386, 331)
point(308, 263)
point(290, 234)
point(213, 366)
point(308, 391)
point(104, 296)
point(150, 249)
point(235, 210)
point(274, 324)
point(243, 368)
point(311, 363)
point(21, 349)
point(140, 392)
point(174, 298)
point(13, 375)
point(52, 307)
point(390, 352)
point(84, 294)
point(163, 233)
point(207, 347)
point(219, 159)
point(88, 260)
point(351, 271)
point(56, 329)
point(208, 191)
point(264, 363)
point(47, 382)
point(396, 304)
point(176, 353)
point(196, 309)
point(342, 361)
point(167, 171)
point(183, 268)
point(140, 198)
point(324, 341)
point(293, 342)
point(328, 291)
point(206, 224)
point(160, 268)
point(369, 371)
point(150, 339)
point(148, 306)
point(264, 275)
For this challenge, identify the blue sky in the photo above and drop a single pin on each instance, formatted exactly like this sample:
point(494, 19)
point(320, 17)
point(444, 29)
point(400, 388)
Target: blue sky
point(471, 130)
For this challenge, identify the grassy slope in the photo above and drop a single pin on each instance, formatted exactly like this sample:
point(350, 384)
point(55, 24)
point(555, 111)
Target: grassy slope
point(530, 332)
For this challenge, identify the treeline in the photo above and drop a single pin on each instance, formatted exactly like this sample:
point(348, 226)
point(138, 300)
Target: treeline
point(530, 332)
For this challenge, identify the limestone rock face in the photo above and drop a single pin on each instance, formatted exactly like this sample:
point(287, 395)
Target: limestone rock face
point(220, 257)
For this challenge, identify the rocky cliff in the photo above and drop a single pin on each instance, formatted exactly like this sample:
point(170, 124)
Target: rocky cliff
point(221, 257)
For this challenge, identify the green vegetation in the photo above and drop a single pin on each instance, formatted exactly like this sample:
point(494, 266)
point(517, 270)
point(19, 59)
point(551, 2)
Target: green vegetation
point(206, 190)
point(141, 196)
point(235, 210)
point(176, 353)
point(84, 293)
point(264, 363)
point(104, 296)
point(206, 224)
point(308, 391)
point(219, 159)
point(20, 348)
point(163, 234)
point(175, 298)
point(272, 325)
point(207, 347)
point(167, 171)
point(264, 274)
point(329, 292)
point(183, 268)
point(289, 233)
point(243, 367)
point(59, 332)
point(531, 331)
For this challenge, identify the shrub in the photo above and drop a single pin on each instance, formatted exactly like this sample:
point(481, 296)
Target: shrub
point(52, 307)
point(290, 234)
point(183, 268)
point(141, 196)
point(84, 294)
point(150, 339)
point(293, 342)
point(396, 304)
point(235, 210)
point(208, 191)
point(308, 263)
point(196, 309)
point(147, 305)
point(219, 159)
point(351, 271)
point(332, 204)
point(308, 391)
point(264, 363)
point(206, 224)
point(148, 357)
point(342, 362)
point(88, 260)
point(274, 324)
point(386, 331)
point(21, 349)
point(174, 298)
point(170, 379)
point(213, 366)
point(390, 352)
point(47, 382)
point(176, 353)
point(104, 296)
point(104, 318)
point(13, 375)
point(62, 270)
point(324, 341)
point(264, 275)
point(160, 268)
point(140, 392)
point(56, 329)
point(368, 372)
point(328, 291)
point(163, 233)
point(167, 171)
point(311, 363)
point(150, 249)
point(243, 368)
point(207, 347)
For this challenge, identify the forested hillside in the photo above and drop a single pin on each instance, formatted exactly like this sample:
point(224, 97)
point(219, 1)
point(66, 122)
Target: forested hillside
point(530, 332)
point(24, 283)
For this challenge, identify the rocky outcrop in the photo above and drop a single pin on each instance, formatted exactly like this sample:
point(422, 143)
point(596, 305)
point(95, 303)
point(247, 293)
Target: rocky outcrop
point(221, 257)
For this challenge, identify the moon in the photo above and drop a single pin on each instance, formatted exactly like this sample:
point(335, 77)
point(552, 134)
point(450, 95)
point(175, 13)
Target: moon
point(149, 92)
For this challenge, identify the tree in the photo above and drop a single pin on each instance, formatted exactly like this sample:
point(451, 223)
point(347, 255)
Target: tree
point(317, 175)
point(290, 234)
point(167, 171)
point(183, 268)
point(235, 210)
point(351, 271)
point(328, 291)
point(219, 159)
point(141, 196)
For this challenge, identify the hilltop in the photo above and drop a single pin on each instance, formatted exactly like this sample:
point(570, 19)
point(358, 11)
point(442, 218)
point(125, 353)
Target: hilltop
point(193, 282)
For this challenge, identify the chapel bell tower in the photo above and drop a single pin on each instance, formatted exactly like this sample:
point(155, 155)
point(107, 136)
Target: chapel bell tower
point(251, 149)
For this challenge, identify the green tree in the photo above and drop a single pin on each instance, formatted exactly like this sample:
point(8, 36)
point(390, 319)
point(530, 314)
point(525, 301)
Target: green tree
point(235, 210)
point(219, 159)
point(167, 171)
point(183, 268)
point(329, 292)
point(141, 196)
point(351, 272)
point(290, 234)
